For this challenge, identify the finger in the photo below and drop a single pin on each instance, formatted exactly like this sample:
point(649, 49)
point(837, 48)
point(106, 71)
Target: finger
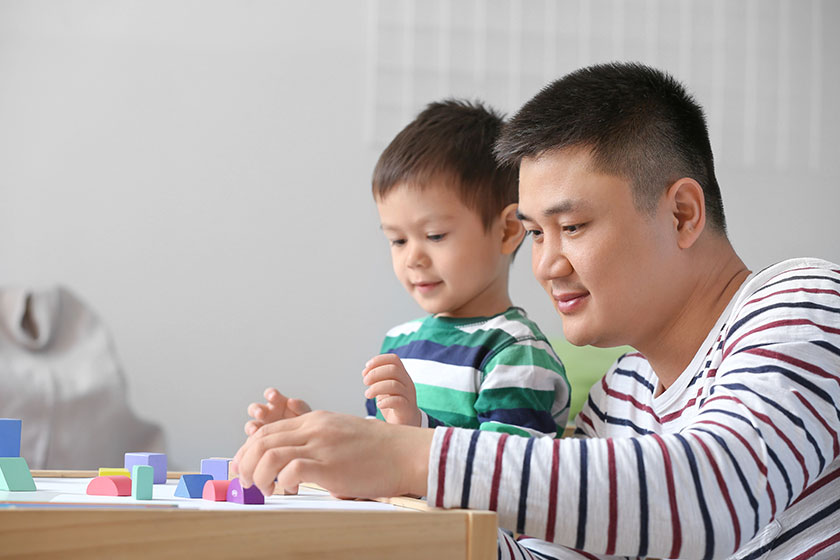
point(252, 426)
point(298, 406)
point(388, 371)
point(255, 409)
point(273, 396)
point(392, 402)
point(387, 387)
point(381, 360)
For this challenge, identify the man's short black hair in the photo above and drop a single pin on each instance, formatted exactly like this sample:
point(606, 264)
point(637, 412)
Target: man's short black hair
point(451, 141)
point(638, 122)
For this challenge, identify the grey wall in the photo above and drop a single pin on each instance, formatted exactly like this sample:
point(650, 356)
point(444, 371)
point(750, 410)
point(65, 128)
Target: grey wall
point(198, 171)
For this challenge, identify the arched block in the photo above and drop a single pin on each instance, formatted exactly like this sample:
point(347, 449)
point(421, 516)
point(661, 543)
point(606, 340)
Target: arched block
point(215, 490)
point(239, 495)
point(110, 486)
point(191, 485)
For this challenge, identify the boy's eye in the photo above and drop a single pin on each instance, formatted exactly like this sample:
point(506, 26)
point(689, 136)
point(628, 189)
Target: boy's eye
point(397, 242)
point(436, 236)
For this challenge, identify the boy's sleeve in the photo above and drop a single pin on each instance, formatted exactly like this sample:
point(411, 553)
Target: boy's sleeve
point(524, 391)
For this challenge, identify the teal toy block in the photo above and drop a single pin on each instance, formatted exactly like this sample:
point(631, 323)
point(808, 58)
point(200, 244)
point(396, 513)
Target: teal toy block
point(157, 460)
point(142, 482)
point(15, 475)
point(10, 437)
point(192, 485)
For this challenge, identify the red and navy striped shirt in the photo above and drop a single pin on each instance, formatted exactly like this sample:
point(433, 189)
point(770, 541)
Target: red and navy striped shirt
point(738, 458)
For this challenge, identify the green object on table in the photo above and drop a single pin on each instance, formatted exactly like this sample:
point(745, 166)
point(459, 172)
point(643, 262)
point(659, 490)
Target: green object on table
point(15, 475)
point(585, 366)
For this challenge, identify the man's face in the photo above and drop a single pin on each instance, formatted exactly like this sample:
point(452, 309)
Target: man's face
point(603, 263)
point(442, 253)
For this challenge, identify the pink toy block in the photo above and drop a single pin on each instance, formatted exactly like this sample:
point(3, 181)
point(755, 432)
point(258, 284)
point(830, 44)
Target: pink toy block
point(216, 490)
point(115, 485)
point(239, 495)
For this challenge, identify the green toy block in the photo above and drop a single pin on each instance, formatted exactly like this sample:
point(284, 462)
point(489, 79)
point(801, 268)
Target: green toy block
point(15, 475)
point(142, 482)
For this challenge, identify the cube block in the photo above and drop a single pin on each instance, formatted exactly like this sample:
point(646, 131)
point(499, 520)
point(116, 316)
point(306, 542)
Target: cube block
point(15, 475)
point(217, 467)
point(10, 437)
point(114, 485)
point(142, 482)
point(191, 485)
point(239, 495)
point(215, 490)
point(156, 460)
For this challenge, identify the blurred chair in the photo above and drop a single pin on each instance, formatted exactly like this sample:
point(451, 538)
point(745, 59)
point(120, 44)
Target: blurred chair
point(585, 366)
point(59, 373)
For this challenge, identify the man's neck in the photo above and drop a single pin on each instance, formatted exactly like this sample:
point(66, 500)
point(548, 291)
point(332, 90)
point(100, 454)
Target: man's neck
point(708, 293)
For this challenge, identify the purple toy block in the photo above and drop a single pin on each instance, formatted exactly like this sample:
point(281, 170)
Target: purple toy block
point(238, 495)
point(10, 437)
point(156, 460)
point(216, 467)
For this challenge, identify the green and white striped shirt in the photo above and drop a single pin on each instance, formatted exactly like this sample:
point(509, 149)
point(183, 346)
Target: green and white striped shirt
point(492, 373)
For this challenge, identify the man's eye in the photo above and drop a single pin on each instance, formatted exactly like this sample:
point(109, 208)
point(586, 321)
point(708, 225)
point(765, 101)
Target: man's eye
point(535, 233)
point(574, 228)
point(436, 236)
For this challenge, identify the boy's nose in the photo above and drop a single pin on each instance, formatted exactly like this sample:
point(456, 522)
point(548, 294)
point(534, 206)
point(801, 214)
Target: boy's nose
point(417, 258)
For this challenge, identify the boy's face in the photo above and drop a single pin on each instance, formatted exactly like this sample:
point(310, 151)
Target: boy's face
point(442, 253)
point(607, 267)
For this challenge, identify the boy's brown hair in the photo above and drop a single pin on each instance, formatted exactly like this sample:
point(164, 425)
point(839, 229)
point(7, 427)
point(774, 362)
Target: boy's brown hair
point(451, 141)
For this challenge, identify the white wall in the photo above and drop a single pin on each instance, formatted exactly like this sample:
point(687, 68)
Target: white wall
point(199, 171)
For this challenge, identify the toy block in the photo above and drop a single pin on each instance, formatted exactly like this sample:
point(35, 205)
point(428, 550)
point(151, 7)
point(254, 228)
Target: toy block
point(15, 475)
point(142, 482)
point(107, 471)
point(10, 437)
point(191, 485)
point(215, 490)
point(217, 467)
point(156, 460)
point(239, 495)
point(115, 485)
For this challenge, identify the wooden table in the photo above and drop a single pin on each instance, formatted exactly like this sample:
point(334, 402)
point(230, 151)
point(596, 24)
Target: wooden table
point(408, 530)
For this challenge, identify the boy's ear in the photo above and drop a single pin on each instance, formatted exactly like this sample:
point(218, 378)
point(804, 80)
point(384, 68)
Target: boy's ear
point(686, 202)
point(513, 232)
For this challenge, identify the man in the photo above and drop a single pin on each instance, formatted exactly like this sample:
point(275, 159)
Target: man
point(718, 438)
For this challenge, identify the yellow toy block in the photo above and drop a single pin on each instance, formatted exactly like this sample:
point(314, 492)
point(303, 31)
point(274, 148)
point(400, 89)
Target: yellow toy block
point(107, 471)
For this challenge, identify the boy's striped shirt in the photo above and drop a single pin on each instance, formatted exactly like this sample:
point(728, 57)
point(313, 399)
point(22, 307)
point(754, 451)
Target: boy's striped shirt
point(492, 373)
point(739, 458)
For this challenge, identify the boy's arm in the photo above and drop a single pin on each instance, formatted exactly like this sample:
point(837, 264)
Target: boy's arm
point(524, 391)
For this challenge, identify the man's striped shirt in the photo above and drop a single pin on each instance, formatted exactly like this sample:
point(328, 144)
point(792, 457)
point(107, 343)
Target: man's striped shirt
point(739, 458)
point(492, 373)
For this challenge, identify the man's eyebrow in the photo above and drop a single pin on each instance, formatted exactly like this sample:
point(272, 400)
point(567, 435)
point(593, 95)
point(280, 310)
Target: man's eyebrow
point(563, 207)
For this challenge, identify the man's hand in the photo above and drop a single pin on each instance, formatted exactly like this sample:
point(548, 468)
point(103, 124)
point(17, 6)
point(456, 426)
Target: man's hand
point(276, 407)
point(347, 455)
point(389, 383)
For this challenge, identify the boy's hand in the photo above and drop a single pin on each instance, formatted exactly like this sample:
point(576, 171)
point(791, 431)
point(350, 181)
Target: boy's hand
point(393, 389)
point(277, 407)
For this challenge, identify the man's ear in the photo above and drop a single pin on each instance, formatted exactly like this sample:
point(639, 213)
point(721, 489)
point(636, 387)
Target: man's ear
point(513, 232)
point(688, 206)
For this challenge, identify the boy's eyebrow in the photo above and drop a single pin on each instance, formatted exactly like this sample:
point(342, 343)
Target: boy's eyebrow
point(563, 207)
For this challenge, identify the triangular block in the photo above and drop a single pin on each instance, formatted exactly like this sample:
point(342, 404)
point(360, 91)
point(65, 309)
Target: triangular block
point(191, 485)
point(240, 495)
point(114, 485)
point(215, 490)
point(15, 475)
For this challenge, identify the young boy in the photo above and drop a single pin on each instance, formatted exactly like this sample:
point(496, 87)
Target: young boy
point(476, 361)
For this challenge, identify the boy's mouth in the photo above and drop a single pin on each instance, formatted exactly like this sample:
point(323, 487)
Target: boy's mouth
point(425, 287)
